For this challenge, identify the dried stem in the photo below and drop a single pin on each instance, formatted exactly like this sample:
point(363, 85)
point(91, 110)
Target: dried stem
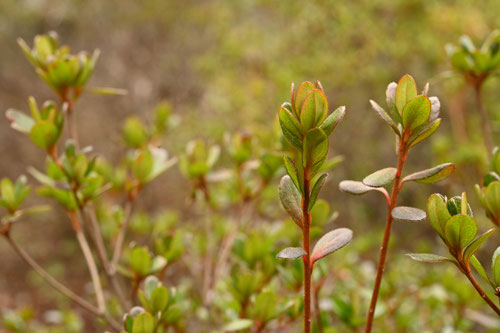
point(485, 124)
point(396, 188)
point(307, 245)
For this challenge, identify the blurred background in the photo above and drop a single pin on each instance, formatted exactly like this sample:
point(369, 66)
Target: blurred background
point(227, 66)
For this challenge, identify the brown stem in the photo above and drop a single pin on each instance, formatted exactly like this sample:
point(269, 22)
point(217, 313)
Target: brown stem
point(402, 154)
point(480, 290)
point(307, 257)
point(485, 125)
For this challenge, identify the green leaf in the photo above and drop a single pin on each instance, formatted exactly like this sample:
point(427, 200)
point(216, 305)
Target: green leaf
point(333, 120)
point(302, 92)
point(492, 198)
point(143, 166)
point(424, 133)
point(495, 267)
point(385, 117)
point(432, 175)
point(405, 91)
point(480, 270)
point(238, 325)
point(135, 133)
point(358, 188)
point(20, 121)
point(315, 147)
point(408, 214)
point(416, 112)
point(381, 177)
point(315, 190)
point(437, 214)
point(150, 284)
point(107, 91)
point(476, 244)
point(292, 129)
point(314, 110)
point(460, 230)
point(140, 260)
point(455, 206)
point(44, 134)
point(291, 169)
point(291, 253)
point(429, 258)
point(159, 299)
point(331, 242)
point(143, 323)
point(291, 199)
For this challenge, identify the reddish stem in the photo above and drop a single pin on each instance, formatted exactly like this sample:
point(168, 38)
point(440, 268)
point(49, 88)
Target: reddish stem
point(396, 188)
point(307, 257)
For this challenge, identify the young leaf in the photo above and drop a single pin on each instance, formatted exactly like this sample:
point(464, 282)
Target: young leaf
point(493, 198)
point(385, 117)
point(291, 169)
point(315, 190)
point(416, 112)
point(405, 91)
point(437, 214)
point(333, 120)
point(331, 242)
point(408, 214)
point(291, 199)
point(44, 134)
point(460, 230)
point(432, 175)
point(302, 92)
point(143, 323)
point(480, 270)
point(429, 258)
point(476, 244)
point(424, 133)
point(292, 129)
point(315, 147)
point(380, 178)
point(238, 325)
point(291, 253)
point(314, 110)
point(495, 267)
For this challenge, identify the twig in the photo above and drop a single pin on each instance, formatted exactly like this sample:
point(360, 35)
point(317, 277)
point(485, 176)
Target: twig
point(468, 273)
point(117, 252)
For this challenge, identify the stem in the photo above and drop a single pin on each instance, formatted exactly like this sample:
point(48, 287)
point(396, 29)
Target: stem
point(117, 252)
point(306, 258)
point(480, 290)
point(89, 258)
point(396, 188)
point(317, 310)
point(485, 125)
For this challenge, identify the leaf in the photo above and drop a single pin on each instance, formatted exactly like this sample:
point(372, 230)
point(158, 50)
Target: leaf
point(315, 190)
point(19, 121)
point(437, 214)
point(331, 242)
point(159, 299)
point(402, 213)
point(291, 169)
point(460, 230)
point(333, 120)
point(495, 267)
point(381, 177)
point(476, 244)
point(432, 175)
point(44, 134)
point(358, 188)
point(314, 110)
point(302, 92)
point(291, 253)
point(492, 198)
point(143, 323)
point(385, 117)
point(292, 129)
point(291, 199)
point(140, 261)
point(416, 112)
point(315, 147)
point(424, 133)
point(238, 325)
point(405, 91)
point(429, 258)
point(480, 270)
point(107, 91)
